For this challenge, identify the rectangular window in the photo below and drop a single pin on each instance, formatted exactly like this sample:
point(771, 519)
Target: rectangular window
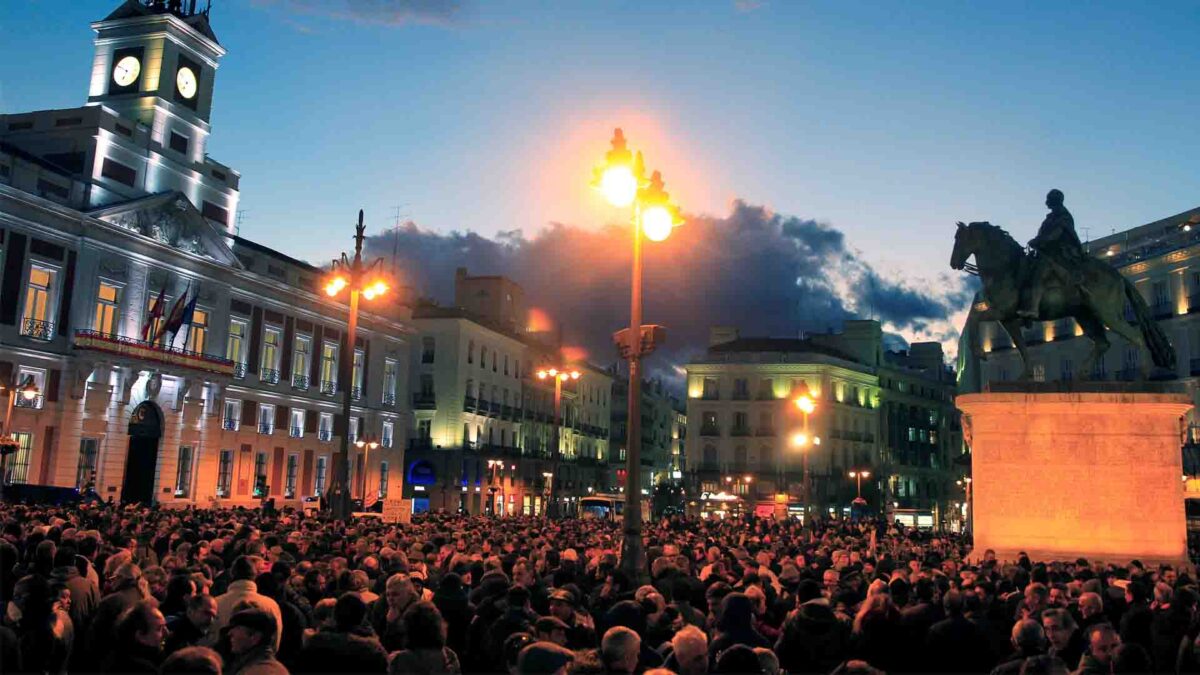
point(39, 303)
point(233, 415)
point(383, 480)
point(428, 349)
point(708, 424)
point(235, 347)
point(322, 470)
point(325, 427)
point(179, 143)
point(329, 356)
point(266, 418)
point(269, 360)
point(289, 485)
point(107, 301)
point(301, 353)
point(18, 464)
point(85, 473)
point(213, 212)
point(741, 389)
point(1066, 370)
point(34, 378)
point(354, 428)
point(712, 390)
point(359, 366)
point(390, 377)
point(117, 171)
point(224, 473)
point(385, 438)
point(183, 472)
point(1162, 296)
point(198, 332)
point(424, 429)
point(297, 423)
point(260, 474)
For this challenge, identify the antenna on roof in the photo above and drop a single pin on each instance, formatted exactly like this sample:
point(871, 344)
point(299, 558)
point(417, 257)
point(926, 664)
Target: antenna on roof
point(396, 238)
point(241, 218)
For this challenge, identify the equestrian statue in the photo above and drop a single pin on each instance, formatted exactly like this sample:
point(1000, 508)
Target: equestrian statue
point(1054, 279)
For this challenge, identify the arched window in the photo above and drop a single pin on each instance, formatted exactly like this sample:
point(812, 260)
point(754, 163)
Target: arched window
point(483, 357)
point(471, 352)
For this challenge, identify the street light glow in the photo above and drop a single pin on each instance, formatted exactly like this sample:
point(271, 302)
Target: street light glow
point(806, 405)
point(657, 222)
point(335, 286)
point(800, 439)
point(619, 185)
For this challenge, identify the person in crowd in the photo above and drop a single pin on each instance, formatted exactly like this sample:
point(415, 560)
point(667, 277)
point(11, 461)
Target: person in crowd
point(195, 627)
point(813, 639)
point(387, 613)
point(425, 651)
point(192, 661)
point(139, 638)
point(349, 645)
point(1103, 641)
point(42, 630)
point(250, 638)
point(1062, 634)
point(242, 590)
point(581, 630)
point(544, 658)
point(689, 652)
point(1028, 641)
point(126, 588)
point(620, 649)
point(955, 644)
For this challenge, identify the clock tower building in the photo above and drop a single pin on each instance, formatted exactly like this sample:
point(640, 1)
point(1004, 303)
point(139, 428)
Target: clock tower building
point(146, 124)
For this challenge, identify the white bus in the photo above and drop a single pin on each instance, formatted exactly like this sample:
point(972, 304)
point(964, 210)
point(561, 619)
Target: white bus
point(609, 507)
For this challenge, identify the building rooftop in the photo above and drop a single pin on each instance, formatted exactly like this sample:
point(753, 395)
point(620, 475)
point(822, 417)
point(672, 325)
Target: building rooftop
point(187, 11)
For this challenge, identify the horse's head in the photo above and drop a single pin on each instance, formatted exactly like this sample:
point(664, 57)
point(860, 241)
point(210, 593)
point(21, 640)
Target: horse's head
point(965, 244)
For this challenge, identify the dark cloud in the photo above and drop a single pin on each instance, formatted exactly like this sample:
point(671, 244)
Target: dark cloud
point(760, 271)
point(386, 12)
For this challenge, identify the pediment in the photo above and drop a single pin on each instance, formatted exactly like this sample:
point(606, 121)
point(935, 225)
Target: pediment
point(171, 219)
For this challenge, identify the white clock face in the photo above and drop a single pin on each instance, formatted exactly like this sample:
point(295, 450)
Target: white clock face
point(126, 71)
point(185, 80)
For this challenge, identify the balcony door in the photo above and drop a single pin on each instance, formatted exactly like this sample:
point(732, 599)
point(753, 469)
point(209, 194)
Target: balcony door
point(141, 462)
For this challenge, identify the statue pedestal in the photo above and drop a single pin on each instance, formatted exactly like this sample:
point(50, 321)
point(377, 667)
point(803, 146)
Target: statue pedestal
point(1069, 474)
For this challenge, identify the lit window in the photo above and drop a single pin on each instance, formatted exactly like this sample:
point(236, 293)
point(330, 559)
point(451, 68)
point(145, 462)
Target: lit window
point(325, 428)
point(385, 438)
point(198, 331)
point(89, 449)
point(39, 303)
point(236, 344)
point(329, 356)
point(289, 489)
point(390, 379)
point(359, 367)
point(233, 415)
point(301, 353)
point(266, 418)
point(107, 301)
point(183, 471)
point(269, 360)
point(383, 480)
point(18, 464)
point(322, 470)
point(224, 473)
point(260, 474)
point(297, 423)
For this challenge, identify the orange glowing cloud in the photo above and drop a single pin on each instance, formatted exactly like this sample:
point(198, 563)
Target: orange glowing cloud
point(539, 321)
point(574, 354)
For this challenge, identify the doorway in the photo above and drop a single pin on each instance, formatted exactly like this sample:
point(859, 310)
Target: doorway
point(141, 462)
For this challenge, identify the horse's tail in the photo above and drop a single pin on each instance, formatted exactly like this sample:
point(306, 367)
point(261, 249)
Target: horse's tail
point(1160, 347)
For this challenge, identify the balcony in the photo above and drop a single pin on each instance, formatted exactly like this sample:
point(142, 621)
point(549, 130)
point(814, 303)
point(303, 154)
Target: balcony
point(420, 444)
point(739, 431)
point(1162, 310)
point(296, 432)
point(325, 435)
point(141, 350)
point(239, 371)
point(389, 399)
point(764, 431)
point(230, 424)
point(34, 403)
point(356, 393)
point(470, 404)
point(300, 382)
point(37, 330)
point(424, 400)
point(1194, 303)
point(268, 375)
point(710, 430)
point(328, 387)
point(741, 396)
point(506, 412)
point(266, 428)
point(710, 396)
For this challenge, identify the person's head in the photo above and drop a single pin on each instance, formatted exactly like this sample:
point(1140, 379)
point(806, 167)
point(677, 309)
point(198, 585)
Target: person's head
point(768, 662)
point(1028, 636)
point(1036, 597)
point(830, 580)
point(1090, 605)
point(192, 661)
point(690, 646)
point(619, 649)
point(738, 659)
point(1054, 198)
point(424, 627)
point(551, 629)
point(513, 645)
point(399, 591)
point(952, 602)
point(562, 605)
point(244, 568)
point(251, 629)
point(737, 612)
point(142, 625)
point(1058, 625)
point(544, 658)
point(201, 611)
point(1103, 641)
point(1060, 596)
point(1044, 665)
point(1131, 658)
point(349, 612)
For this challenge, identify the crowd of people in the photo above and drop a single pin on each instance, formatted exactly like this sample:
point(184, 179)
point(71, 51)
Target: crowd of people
point(111, 589)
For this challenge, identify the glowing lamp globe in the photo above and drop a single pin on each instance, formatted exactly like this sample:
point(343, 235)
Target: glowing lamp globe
point(619, 185)
point(657, 223)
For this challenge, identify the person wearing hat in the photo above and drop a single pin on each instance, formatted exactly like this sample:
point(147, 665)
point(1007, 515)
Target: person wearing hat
point(544, 658)
point(581, 630)
point(250, 641)
point(551, 629)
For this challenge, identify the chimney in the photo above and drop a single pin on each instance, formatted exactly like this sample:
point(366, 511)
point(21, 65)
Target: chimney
point(719, 335)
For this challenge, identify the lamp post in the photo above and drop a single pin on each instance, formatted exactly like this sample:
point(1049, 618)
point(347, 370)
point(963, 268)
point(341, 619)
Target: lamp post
point(965, 484)
point(859, 476)
point(549, 476)
point(803, 440)
point(360, 279)
point(622, 181)
point(28, 390)
point(559, 376)
point(367, 443)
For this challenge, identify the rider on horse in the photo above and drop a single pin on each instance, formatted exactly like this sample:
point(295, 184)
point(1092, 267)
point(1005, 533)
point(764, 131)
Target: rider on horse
point(1060, 256)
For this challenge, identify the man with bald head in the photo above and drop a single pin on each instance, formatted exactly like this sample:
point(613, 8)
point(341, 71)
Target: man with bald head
point(1028, 640)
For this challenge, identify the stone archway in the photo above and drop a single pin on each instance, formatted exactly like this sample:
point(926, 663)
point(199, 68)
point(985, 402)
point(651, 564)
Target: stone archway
point(145, 432)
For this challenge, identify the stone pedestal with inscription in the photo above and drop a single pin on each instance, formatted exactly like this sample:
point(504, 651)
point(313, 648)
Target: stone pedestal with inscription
point(1062, 474)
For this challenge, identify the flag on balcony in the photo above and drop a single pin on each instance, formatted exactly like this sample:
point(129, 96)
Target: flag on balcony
point(156, 312)
point(175, 318)
point(370, 500)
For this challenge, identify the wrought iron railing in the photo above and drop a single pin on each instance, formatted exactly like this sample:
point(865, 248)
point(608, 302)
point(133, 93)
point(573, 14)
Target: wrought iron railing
point(300, 382)
point(148, 351)
point(266, 428)
point(710, 430)
point(389, 398)
point(37, 330)
point(268, 375)
point(296, 432)
point(328, 387)
point(356, 393)
point(230, 424)
point(325, 435)
point(424, 401)
point(33, 403)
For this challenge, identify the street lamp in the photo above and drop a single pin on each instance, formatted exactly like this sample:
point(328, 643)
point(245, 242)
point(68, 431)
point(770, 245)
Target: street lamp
point(803, 439)
point(367, 280)
point(859, 476)
point(367, 443)
point(965, 484)
point(27, 390)
point(621, 179)
point(559, 375)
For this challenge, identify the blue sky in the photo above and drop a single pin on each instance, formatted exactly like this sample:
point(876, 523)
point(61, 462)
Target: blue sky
point(888, 121)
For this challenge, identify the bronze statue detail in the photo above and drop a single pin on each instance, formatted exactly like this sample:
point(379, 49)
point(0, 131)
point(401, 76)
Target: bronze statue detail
point(1055, 280)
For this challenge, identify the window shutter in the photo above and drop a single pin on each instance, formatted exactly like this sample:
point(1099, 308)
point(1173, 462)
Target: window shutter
point(277, 472)
point(64, 307)
point(366, 373)
point(14, 266)
point(306, 474)
point(52, 379)
point(249, 413)
point(281, 417)
point(310, 422)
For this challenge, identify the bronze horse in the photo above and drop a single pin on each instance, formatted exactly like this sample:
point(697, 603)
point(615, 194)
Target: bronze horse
point(1098, 302)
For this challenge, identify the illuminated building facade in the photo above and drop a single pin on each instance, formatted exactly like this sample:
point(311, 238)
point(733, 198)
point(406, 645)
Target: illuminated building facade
point(743, 424)
point(663, 430)
point(112, 217)
point(483, 435)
